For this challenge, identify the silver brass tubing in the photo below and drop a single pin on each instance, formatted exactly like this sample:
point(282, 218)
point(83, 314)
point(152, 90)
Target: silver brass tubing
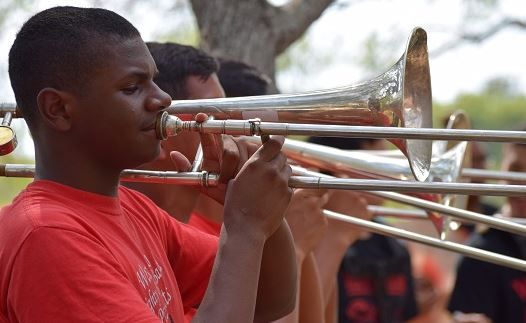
point(198, 159)
point(7, 119)
point(406, 186)
point(399, 97)
point(9, 108)
point(317, 182)
point(496, 175)
point(414, 214)
point(204, 179)
point(467, 251)
point(397, 159)
point(408, 214)
point(17, 170)
point(494, 222)
point(258, 128)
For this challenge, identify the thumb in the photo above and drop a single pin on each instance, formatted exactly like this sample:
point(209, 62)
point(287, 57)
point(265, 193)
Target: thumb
point(180, 162)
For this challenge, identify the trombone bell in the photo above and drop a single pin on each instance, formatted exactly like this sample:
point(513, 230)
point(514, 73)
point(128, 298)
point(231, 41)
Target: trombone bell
point(400, 97)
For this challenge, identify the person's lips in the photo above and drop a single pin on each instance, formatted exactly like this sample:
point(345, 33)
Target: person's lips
point(149, 127)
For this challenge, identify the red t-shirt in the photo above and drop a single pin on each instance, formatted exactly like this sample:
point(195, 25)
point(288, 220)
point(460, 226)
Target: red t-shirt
point(68, 255)
point(204, 224)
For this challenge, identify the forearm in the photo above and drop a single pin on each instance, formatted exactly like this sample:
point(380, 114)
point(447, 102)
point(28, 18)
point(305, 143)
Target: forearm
point(328, 255)
point(311, 308)
point(277, 284)
point(234, 280)
point(294, 316)
point(309, 301)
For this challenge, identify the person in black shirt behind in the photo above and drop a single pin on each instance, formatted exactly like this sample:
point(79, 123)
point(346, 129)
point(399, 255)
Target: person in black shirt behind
point(375, 281)
point(495, 293)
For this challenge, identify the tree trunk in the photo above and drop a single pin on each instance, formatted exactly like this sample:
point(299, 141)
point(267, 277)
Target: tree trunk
point(253, 31)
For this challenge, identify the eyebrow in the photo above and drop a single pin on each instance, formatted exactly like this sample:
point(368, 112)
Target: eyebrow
point(140, 75)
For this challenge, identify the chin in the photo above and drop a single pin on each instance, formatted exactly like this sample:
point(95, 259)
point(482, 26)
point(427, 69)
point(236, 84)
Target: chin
point(142, 160)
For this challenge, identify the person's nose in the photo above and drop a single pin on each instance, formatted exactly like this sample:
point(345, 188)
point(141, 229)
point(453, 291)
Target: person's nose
point(158, 100)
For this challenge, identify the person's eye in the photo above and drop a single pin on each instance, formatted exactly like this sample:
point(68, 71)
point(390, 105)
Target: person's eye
point(130, 89)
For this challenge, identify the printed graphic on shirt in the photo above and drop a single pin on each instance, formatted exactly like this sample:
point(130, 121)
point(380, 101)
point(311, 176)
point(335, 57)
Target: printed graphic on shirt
point(396, 285)
point(519, 286)
point(371, 300)
point(360, 310)
point(156, 295)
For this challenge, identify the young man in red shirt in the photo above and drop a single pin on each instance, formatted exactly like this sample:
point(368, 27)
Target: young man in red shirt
point(75, 246)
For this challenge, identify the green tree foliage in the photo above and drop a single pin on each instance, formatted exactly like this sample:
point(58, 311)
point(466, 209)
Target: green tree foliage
point(497, 107)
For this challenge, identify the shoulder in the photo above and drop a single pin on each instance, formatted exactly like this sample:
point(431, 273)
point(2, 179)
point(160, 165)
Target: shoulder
point(133, 200)
point(144, 211)
point(34, 208)
point(494, 241)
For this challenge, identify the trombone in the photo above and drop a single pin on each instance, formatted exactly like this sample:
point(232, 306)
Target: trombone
point(313, 180)
point(400, 97)
point(205, 179)
point(415, 214)
point(468, 251)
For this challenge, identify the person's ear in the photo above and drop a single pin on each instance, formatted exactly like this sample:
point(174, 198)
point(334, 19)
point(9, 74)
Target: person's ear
point(55, 108)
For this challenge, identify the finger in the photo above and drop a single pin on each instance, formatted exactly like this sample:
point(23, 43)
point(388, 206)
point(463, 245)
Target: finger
point(271, 148)
point(315, 192)
point(249, 146)
point(279, 161)
point(324, 198)
point(201, 117)
point(287, 172)
point(319, 197)
point(181, 163)
point(211, 145)
point(244, 148)
point(230, 160)
point(362, 200)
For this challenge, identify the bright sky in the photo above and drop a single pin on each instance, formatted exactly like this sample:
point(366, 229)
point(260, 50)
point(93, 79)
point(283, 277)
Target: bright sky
point(340, 33)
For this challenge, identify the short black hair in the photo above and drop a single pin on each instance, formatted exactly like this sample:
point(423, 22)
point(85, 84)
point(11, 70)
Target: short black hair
point(176, 63)
point(342, 143)
point(240, 79)
point(58, 48)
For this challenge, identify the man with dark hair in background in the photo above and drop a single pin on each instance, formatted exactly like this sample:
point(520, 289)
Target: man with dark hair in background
point(240, 79)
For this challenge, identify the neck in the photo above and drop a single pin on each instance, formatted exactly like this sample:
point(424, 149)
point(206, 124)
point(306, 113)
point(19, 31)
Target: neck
point(73, 169)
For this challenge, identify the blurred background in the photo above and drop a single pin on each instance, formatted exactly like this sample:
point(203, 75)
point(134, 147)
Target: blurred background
point(477, 48)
